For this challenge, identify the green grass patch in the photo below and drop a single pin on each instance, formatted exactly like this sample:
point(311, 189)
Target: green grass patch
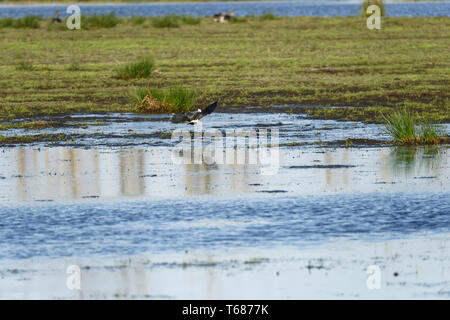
point(100, 21)
point(137, 20)
point(54, 26)
point(309, 63)
point(190, 20)
point(166, 22)
point(174, 21)
point(268, 15)
point(404, 128)
point(25, 66)
point(238, 19)
point(44, 124)
point(28, 22)
point(140, 69)
point(154, 100)
point(430, 133)
point(74, 66)
point(43, 137)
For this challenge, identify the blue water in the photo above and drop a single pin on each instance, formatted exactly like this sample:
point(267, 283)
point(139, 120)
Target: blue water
point(122, 228)
point(281, 8)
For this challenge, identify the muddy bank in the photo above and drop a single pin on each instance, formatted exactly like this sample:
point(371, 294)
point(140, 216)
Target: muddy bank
point(133, 130)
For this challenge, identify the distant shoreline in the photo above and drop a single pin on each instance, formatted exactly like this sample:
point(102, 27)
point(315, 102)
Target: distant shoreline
point(60, 2)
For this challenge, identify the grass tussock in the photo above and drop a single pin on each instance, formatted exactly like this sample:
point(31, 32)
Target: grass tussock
point(28, 22)
point(25, 66)
point(99, 22)
point(154, 100)
point(233, 62)
point(174, 21)
point(268, 15)
point(368, 3)
point(52, 26)
point(238, 19)
point(137, 20)
point(74, 66)
point(406, 130)
point(140, 69)
point(190, 20)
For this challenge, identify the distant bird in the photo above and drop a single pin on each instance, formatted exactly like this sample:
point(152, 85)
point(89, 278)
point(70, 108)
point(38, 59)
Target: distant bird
point(56, 18)
point(195, 116)
point(223, 17)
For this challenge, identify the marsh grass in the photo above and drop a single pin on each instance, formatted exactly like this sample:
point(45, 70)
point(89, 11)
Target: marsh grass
point(430, 133)
point(268, 15)
point(404, 128)
point(238, 19)
point(166, 22)
point(28, 22)
point(234, 63)
point(137, 20)
point(140, 69)
point(25, 66)
point(98, 22)
point(191, 20)
point(6, 23)
point(74, 66)
point(368, 3)
point(174, 21)
point(52, 26)
point(154, 100)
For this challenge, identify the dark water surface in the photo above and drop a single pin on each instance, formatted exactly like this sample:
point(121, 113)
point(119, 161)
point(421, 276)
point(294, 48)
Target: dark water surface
point(280, 8)
point(129, 228)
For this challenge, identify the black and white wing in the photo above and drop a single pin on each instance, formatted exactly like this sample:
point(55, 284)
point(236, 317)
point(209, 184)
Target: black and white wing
point(204, 112)
point(191, 117)
point(209, 109)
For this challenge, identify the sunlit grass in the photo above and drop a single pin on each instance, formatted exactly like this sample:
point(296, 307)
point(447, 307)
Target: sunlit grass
point(140, 69)
point(25, 66)
point(403, 127)
point(74, 66)
point(191, 20)
point(137, 20)
point(28, 22)
point(430, 133)
point(166, 22)
point(268, 15)
point(100, 21)
point(238, 19)
point(308, 63)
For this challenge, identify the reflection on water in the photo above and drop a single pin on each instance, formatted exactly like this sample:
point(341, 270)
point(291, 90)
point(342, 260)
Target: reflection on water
point(411, 160)
point(54, 174)
point(64, 174)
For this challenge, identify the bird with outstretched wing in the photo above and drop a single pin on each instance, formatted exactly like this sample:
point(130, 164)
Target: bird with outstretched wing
point(193, 117)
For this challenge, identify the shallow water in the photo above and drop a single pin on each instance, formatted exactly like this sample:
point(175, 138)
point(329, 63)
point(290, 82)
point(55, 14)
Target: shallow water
point(62, 202)
point(281, 8)
point(115, 202)
point(131, 130)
